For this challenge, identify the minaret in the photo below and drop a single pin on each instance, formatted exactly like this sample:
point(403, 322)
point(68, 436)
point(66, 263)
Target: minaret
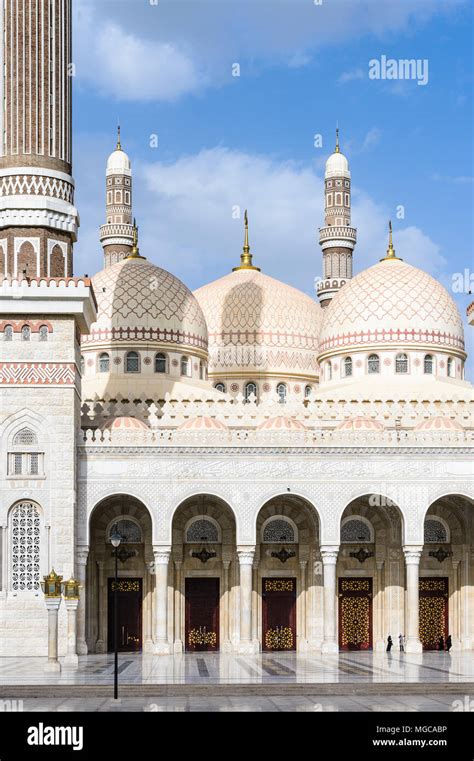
point(38, 221)
point(117, 235)
point(337, 238)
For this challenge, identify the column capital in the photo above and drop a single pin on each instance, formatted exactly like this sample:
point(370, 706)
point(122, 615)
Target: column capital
point(246, 554)
point(178, 564)
point(329, 554)
point(379, 564)
point(82, 553)
point(161, 554)
point(303, 564)
point(71, 604)
point(412, 554)
point(226, 564)
point(52, 603)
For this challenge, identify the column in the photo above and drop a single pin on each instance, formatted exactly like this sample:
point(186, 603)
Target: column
point(101, 610)
point(81, 563)
point(380, 633)
point(255, 638)
point(466, 635)
point(3, 583)
point(246, 555)
point(178, 642)
point(455, 607)
point(148, 607)
point(226, 645)
point(412, 622)
point(162, 556)
point(302, 599)
point(329, 557)
point(52, 606)
point(71, 660)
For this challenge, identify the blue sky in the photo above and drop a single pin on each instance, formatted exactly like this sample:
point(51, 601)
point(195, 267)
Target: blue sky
point(226, 141)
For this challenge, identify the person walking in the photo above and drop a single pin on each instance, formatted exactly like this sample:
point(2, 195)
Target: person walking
point(449, 643)
point(401, 642)
point(441, 644)
point(389, 643)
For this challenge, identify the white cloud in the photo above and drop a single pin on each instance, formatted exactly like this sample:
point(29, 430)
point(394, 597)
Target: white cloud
point(352, 76)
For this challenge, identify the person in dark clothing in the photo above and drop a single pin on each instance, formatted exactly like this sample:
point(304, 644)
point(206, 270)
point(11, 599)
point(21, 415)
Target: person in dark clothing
point(389, 643)
point(449, 643)
point(441, 643)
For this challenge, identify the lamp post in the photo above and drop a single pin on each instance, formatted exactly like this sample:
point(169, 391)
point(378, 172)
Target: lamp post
point(115, 539)
point(70, 590)
point(51, 586)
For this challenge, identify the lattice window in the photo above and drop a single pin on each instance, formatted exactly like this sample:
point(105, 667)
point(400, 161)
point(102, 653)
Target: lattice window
point(185, 366)
point(25, 462)
point(451, 367)
point(373, 364)
point(132, 362)
point(160, 363)
point(307, 391)
point(281, 391)
point(104, 363)
point(250, 388)
point(401, 363)
point(25, 437)
point(8, 333)
point(220, 387)
point(435, 532)
point(25, 543)
point(355, 531)
point(278, 530)
point(128, 530)
point(202, 530)
point(25, 333)
point(428, 364)
point(43, 333)
point(348, 366)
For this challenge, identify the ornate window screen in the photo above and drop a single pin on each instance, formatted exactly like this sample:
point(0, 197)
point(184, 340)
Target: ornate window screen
point(435, 532)
point(373, 364)
point(128, 530)
point(278, 530)
point(202, 530)
point(24, 460)
point(25, 543)
point(355, 531)
point(43, 333)
point(25, 437)
point(401, 363)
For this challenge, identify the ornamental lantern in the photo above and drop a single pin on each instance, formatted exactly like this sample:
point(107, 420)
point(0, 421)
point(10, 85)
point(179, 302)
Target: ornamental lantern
point(70, 589)
point(51, 585)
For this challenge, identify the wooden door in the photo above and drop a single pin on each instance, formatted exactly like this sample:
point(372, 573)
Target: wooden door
point(355, 613)
point(433, 611)
point(279, 614)
point(129, 615)
point(202, 614)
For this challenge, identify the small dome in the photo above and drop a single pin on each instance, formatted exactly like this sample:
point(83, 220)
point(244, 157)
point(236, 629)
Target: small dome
point(118, 162)
point(360, 424)
point(281, 423)
point(122, 423)
point(439, 423)
point(202, 423)
point(337, 165)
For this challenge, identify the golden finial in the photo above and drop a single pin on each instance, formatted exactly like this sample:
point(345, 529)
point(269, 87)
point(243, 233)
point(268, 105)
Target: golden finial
point(390, 250)
point(135, 252)
point(336, 150)
point(246, 256)
point(119, 144)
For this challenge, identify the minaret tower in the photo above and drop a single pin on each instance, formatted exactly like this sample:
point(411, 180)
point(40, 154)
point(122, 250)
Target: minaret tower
point(117, 235)
point(337, 238)
point(38, 220)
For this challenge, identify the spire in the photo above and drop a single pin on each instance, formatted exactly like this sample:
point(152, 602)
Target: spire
point(119, 144)
point(135, 252)
point(390, 250)
point(336, 149)
point(246, 256)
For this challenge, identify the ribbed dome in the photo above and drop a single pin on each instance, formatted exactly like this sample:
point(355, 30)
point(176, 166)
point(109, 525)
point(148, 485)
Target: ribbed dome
point(124, 423)
point(139, 301)
point(391, 304)
point(258, 323)
point(203, 423)
point(360, 424)
point(281, 423)
point(439, 423)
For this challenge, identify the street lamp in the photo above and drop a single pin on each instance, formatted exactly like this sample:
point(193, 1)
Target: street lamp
point(51, 586)
point(115, 539)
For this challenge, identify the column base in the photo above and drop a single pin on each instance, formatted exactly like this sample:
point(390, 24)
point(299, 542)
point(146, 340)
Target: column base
point(246, 648)
point(330, 648)
point(81, 647)
point(148, 646)
point(71, 662)
point(100, 646)
point(52, 667)
point(177, 646)
point(162, 648)
point(413, 646)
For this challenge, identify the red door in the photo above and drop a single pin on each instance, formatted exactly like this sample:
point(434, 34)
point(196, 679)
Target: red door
point(279, 614)
point(202, 614)
point(433, 611)
point(355, 613)
point(129, 614)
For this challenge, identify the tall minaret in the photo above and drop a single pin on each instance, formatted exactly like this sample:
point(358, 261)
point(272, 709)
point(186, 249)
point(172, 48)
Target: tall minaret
point(117, 235)
point(337, 238)
point(38, 220)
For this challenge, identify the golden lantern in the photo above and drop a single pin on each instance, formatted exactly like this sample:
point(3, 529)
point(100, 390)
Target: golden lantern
point(70, 589)
point(51, 584)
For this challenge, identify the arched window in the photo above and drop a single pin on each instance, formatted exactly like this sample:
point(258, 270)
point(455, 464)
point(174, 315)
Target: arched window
point(281, 391)
point(451, 367)
point(250, 388)
point(435, 532)
point(278, 530)
point(428, 364)
point(373, 364)
point(43, 333)
point(82, 365)
point(348, 366)
point(24, 459)
point(401, 363)
point(132, 363)
point(8, 333)
point(201, 370)
point(202, 530)
point(25, 333)
point(356, 530)
point(104, 362)
point(307, 391)
point(161, 364)
point(129, 531)
point(25, 547)
point(220, 387)
point(185, 366)
point(328, 371)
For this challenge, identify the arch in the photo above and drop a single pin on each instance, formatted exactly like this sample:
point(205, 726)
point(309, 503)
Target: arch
point(373, 364)
point(282, 392)
point(361, 519)
point(308, 390)
point(428, 364)
point(26, 546)
point(203, 518)
point(401, 363)
point(185, 366)
point(249, 389)
point(347, 367)
point(285, 519)
point(27, 260)
point(25, 333)
point(132, 362)
point(161, 363)
point(299, 495)
point(120, 498)
point(43, 333)
point(386, 508)
point(25, 436)
point(220, 386)
point(57, 262)
point(122, 519)
point(445, 526)
point(8, 333)
point(104, 362)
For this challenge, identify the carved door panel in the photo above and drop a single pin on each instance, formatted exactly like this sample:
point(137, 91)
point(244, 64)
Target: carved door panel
point(355, 613)
point(279, 614)
point(433, 611)
point(202, 614)
point(129, 610)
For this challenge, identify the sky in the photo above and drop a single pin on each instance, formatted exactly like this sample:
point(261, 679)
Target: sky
point(221, 104)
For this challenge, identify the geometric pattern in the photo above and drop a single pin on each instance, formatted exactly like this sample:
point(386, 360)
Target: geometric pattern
point(435, 531)
point(20, 184)
point(25, 539)
point(37, 373)
point(202, 530)
point(355, 531)
point(278, 530)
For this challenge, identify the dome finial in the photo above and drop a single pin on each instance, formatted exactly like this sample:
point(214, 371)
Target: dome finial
point(336, 149)
point(390, 250)
point(246, 256)
point(119, 144)
point(135, 252)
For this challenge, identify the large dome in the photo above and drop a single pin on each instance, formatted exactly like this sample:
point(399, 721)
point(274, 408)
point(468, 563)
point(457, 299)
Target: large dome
point(257, 325)
point(337, 165)
point(138, 301)
point(388, 305)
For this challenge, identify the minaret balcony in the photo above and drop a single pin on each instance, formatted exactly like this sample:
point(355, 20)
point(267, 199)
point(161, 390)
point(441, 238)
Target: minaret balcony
point(337, 233)
point(116, 230)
